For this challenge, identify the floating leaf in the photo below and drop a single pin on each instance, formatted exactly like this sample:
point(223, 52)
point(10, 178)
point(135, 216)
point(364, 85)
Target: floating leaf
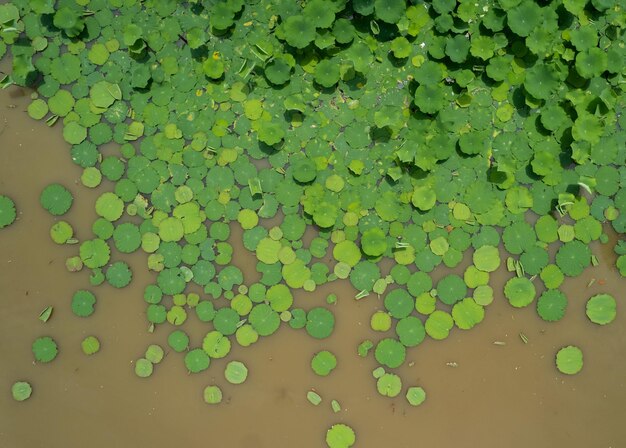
point(212, 395)
point(320, 323)
point(7, 211)
point(83, 303)
point(389, 385)
point(340, 436)
point(90, 345)
point(56, 199)
point(519, 291)
point(415, 395)
point(143, 368)
point(551, 305)
point(390, 352)
point(197, 360)
point(323, 363)
point(21, 390)
point(45, 349)
point(601, 309)
point(569, 360)
point(236, 372)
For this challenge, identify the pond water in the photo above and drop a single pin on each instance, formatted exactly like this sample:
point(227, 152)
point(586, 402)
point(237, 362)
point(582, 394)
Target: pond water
point(480, 394)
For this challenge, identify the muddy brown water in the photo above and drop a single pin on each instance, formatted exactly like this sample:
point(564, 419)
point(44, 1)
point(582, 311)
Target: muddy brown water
point(497, 395)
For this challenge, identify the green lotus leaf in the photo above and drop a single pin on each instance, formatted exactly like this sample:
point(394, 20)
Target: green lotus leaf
point(551, 305)
point(216, 345)
point(299, 31)
point(320, 323)
point(90, 345)
point(119, 274)
point(327, 73)
point(486, 258)
point(401, 47)
point(221, 16)
point(178, 340)
point(524, 18)
point(361, 56)
point(103, 94)
point(95, 253)
point(56, 199)
point(473, 143)
point(569, 360)
point(588, 127)
point(340, 436)
point(423, 198)
point(591, 63)
point(601, 309)
point(271, 133)
point(69, 20)
point(320, 13)
point(552, 276)
point(83, 303)
point(197, 360)
point(541, 81)
point(399, 303)
point(7, 211)
point(534, 259)
point(109, 206)
point(390, 11)
point(457, 48)
point(66, 69)
point(212, 395)
point(127, 237)
point(21, 391)
point(467, 313)
point(374, 242)
point(323, 363)
point(429, 98)
point(143, 368)
point(439, 324)
point(278, 71)
point(573, 257)
point(279, 297)
point(213, 68)
point(520, 291)
point(45, 349)
point(482, 47)
point(410, 331)
point(389, 385)
point(236, 372)
point(98, 54)
point(264, 319)
point(518, 237)
point(304, 170)
point(390, 352)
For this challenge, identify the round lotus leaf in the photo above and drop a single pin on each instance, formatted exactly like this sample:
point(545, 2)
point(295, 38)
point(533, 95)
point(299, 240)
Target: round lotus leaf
point(390, 352)
point(323, 363)
point(236, 372)
point(21, 390)
point(467, 313)
point(45, 349)
point(340, 436)
point(520, 291)
point(143, 368)
point(569, 360)
point(415, 395)
point(212, 395)
point(56, 199)
point(601, 309)
point(439, 324)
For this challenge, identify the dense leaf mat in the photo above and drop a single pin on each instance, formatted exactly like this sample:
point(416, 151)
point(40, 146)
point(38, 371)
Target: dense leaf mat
point(417, 131)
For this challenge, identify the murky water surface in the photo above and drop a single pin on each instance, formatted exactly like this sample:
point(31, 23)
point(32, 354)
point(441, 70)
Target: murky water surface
point(497, 395)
